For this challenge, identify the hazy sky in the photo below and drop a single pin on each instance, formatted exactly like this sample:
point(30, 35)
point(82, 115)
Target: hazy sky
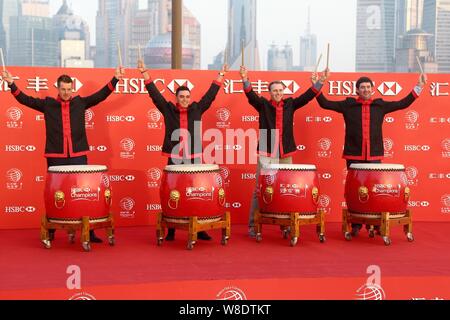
point(279, 21)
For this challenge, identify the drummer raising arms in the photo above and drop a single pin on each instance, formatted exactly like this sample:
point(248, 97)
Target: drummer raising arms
point(182, 139)
point(364, 118)
point(276, 127)
point(65, 137)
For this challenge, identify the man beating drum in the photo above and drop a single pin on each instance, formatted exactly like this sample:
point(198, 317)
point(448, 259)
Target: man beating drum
point(364, 118)
point(182, 140)
point(276, 131)
point(66, 140)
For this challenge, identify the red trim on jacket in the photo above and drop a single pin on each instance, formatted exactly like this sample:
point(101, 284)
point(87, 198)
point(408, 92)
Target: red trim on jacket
point(218, 83)
point(279, 109)
point(147, 82)
point(184, 145)
point(16, 93)
point(415, 94)
point(110, 86)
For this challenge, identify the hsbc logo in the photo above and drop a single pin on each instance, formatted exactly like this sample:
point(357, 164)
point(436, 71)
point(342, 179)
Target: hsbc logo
point(76, 85)
point(390, 88)
point(418, 204)
point(417, 147)
point(175, 84)
point(235, 147)
point(20, 209)
point(120, 118)
point(316, 119)
point(154, 148)
point(19, 148)
point(301, 147)
point(98, 148)
point(290, 86)
point(235, 205)
point(389, 119)
point(122, 178)
point(153, 207)
point(248, 176)
point(439, 175)
point(250, 119)
point(325, 176)
point(439, 120)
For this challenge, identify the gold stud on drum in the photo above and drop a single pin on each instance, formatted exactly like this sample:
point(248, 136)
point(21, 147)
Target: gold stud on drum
point(363, 194)
point(59, 199)
point(268, 194)
point(315, 194)
point(221, 196)
point(174, 197)
point(407, 194)
point(108, 197)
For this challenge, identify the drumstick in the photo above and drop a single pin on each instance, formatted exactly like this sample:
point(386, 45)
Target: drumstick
point(318, 62)
point(328, 55)
point(3, 59)
point(243, 49)
point(120, 54)
point(420, 65)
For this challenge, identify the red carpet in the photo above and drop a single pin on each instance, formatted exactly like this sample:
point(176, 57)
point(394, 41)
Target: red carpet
point(137, 269)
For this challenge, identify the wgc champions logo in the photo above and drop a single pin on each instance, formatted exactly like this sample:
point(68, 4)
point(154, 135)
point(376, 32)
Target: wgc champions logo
point(223, 118)
point(324, 146)
point(13, 116)
point(412, 120)
point(372, 289)
point(388, 145)
point(154, 178)
point(126, 208)
point(231, 293)
point(13, 179)
point(154, 119)
point(127, 146)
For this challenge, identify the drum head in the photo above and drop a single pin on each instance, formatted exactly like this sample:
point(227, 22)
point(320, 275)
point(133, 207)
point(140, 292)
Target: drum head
point(293, 167)
point(188, 168)
point(377, 166)
point(77, 169)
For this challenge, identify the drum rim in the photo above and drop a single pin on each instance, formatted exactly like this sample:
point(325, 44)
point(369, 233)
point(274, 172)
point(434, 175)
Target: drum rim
point(377, 167)
point(202, 168)
point(65, 169)
point(294, 167)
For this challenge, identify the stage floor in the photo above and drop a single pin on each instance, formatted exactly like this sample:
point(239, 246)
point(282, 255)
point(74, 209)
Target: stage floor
point(136, 268)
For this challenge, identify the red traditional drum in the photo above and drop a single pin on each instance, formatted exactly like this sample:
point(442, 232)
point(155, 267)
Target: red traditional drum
point(371, 189)
point(288, 188)
point(72, 192)
point(192, 190)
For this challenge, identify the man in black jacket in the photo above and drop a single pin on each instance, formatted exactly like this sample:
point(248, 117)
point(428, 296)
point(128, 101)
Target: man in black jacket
point(364, 118)
point(276, 127)
point(183, 138)
point(66, 141)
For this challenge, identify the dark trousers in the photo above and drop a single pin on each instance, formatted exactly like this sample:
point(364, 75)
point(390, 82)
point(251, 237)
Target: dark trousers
point(350, 162)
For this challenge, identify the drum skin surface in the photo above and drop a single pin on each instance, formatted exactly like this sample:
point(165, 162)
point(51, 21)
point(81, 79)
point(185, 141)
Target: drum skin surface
point(288, 189)
point(192, 190)
point(72, 192)
point(376, 188)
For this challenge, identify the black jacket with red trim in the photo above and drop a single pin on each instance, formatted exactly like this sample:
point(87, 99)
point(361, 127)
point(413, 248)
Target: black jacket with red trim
point(65, 130)
point(279, 116)
point(176, 145)
point(364, 122)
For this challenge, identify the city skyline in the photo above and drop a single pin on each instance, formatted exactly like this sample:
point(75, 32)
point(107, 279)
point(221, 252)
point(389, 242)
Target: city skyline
point(286, 26)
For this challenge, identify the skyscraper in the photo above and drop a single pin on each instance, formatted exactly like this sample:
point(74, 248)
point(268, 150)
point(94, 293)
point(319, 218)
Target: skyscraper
point(308, 48)
point(72, 37)
point(32, 41)
point(375, 35)
point(8, 8)
point(436, 21)
point(242, 32)
point(114, 26)
point(280, 59)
